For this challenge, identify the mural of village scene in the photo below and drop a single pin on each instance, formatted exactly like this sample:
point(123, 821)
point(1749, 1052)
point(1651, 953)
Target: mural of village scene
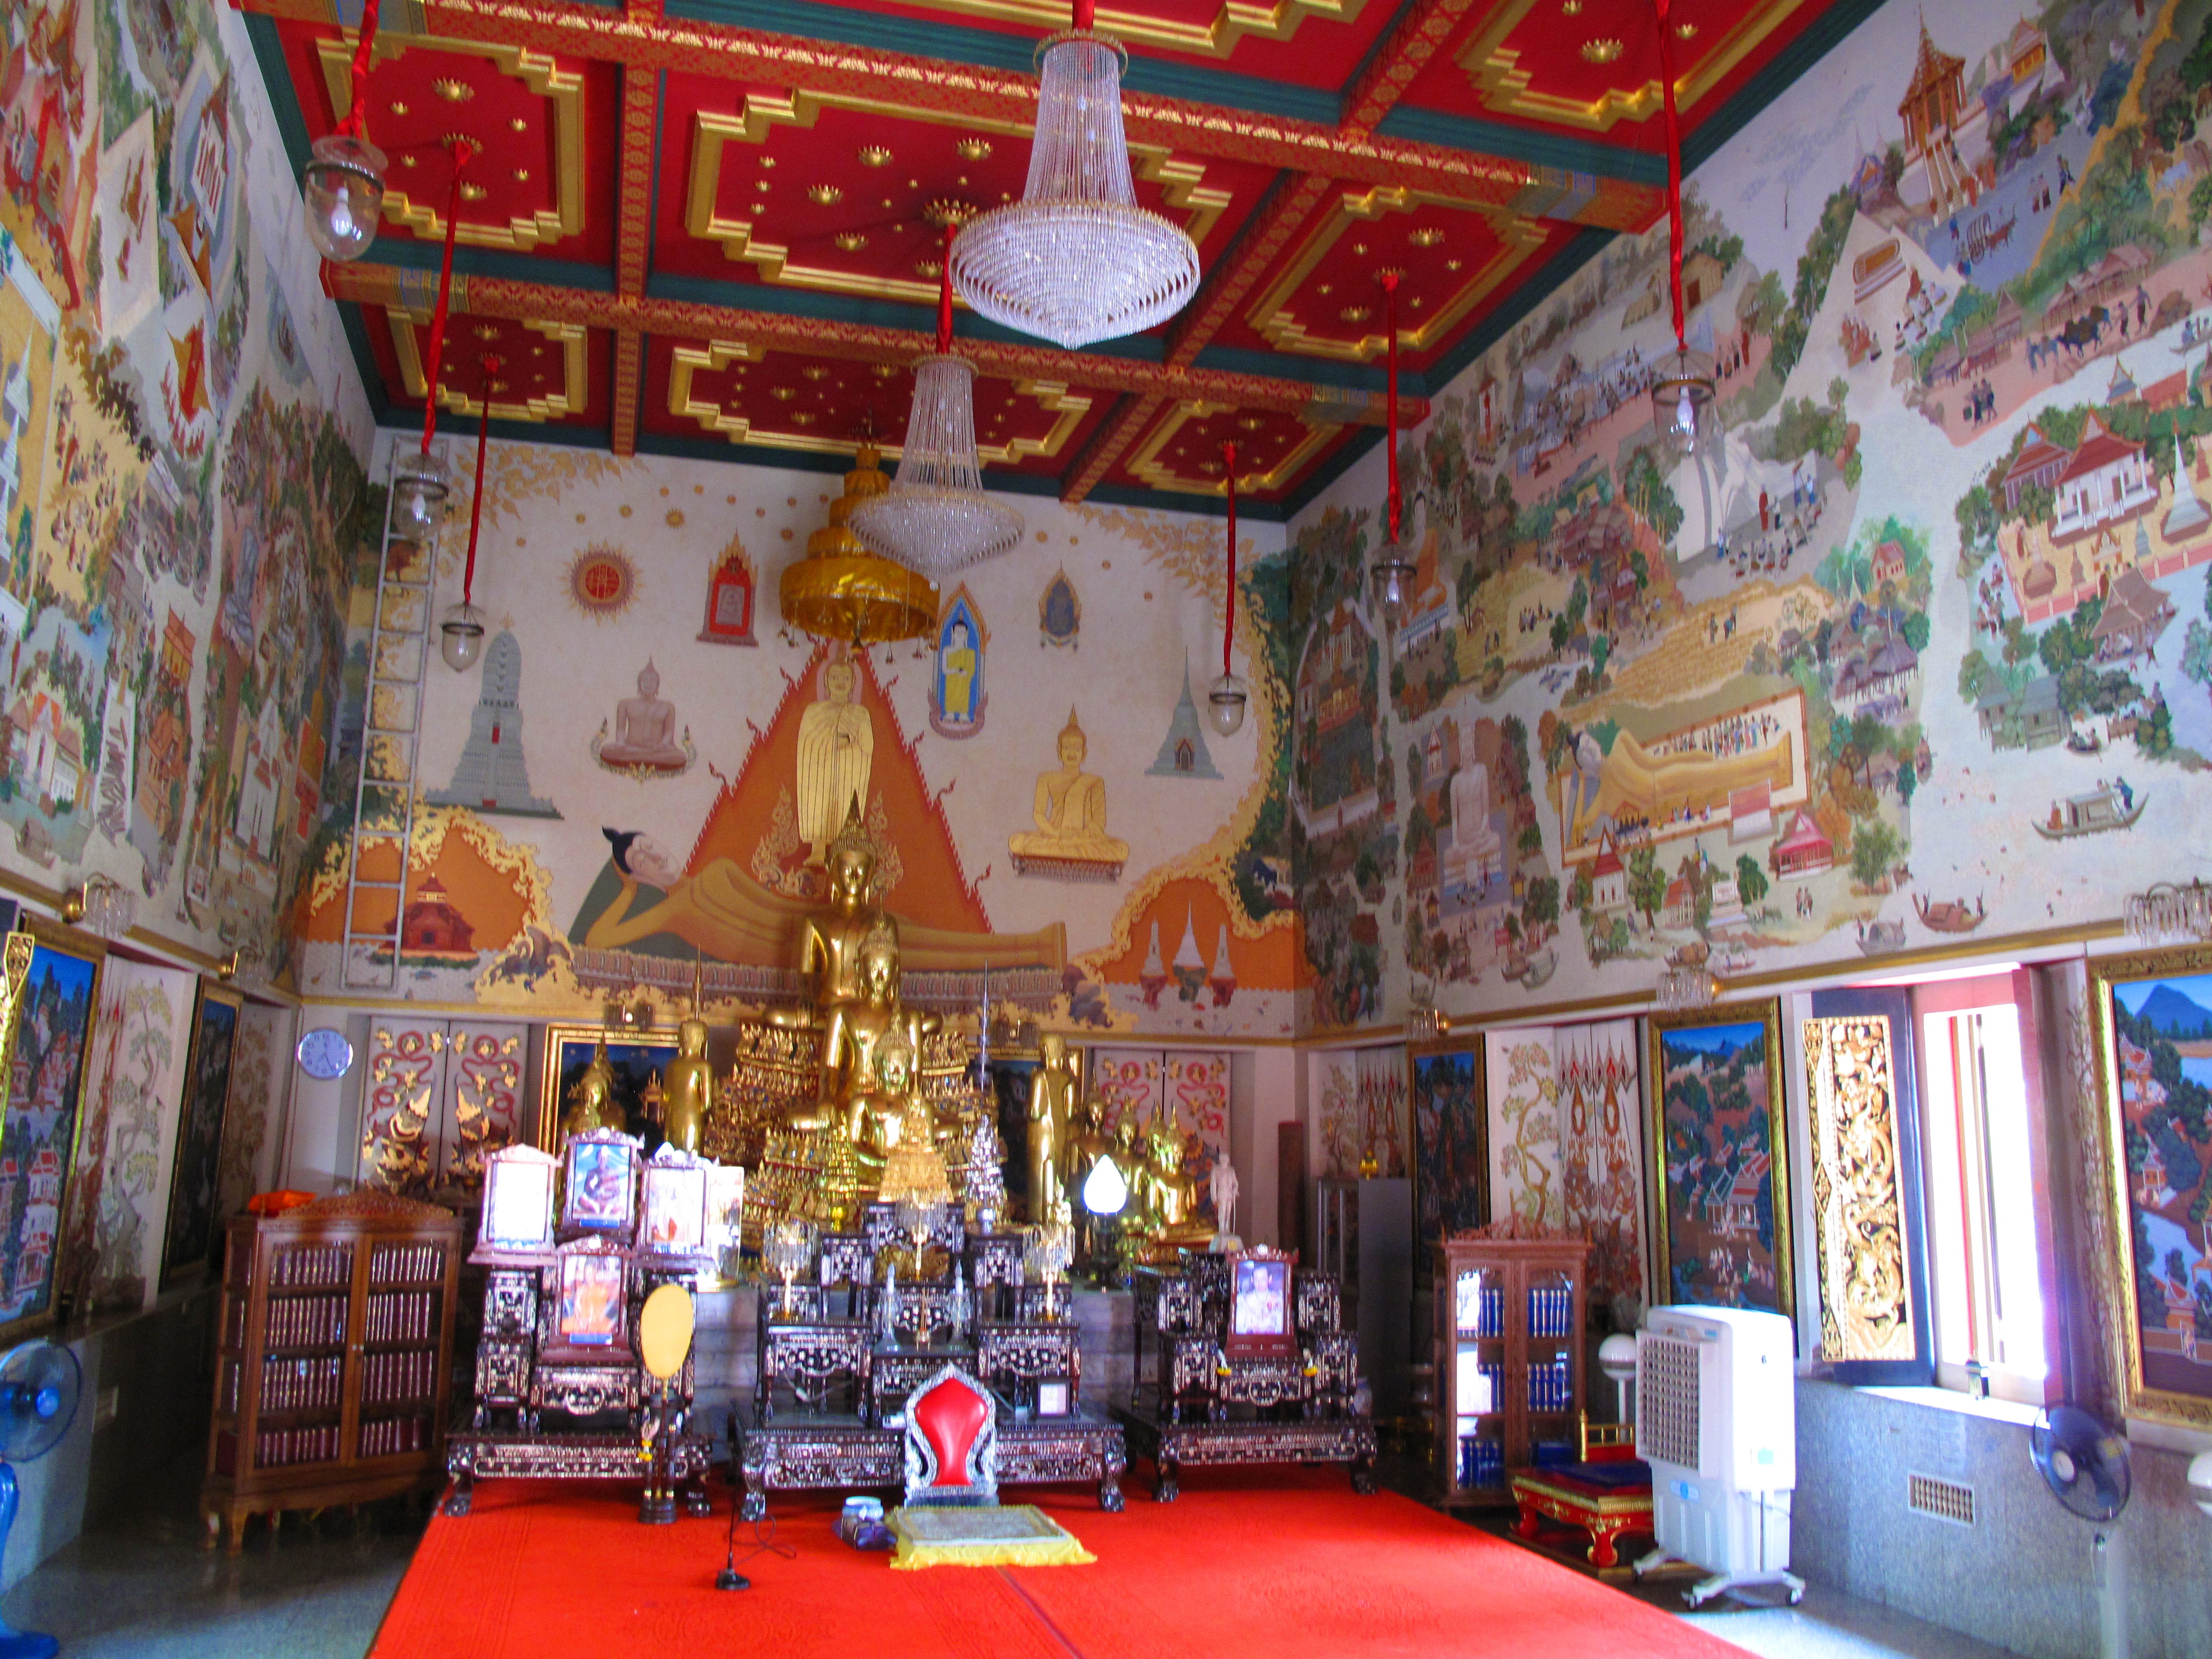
point(1936, 548)
point(162, 712)
point(1718, 1161)
point(2162, 1033)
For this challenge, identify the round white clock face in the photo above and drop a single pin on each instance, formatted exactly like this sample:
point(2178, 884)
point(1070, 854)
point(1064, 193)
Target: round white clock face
point(325, 1054)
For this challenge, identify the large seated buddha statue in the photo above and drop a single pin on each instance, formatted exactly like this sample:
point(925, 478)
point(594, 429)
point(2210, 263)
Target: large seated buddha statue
point(1070, 840)
point(855, 1036)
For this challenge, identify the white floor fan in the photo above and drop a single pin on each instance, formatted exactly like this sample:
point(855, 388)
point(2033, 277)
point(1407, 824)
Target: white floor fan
point(40, 1383)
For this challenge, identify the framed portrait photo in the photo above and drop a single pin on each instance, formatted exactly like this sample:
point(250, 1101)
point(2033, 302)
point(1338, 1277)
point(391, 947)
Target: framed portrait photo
point(599, 1188)
point(1259, 1306)
point(51, 977)
point(676, 1205)
point(518, 1208)
point(1451, 1144)
point(1720, 1234)
point(2151, 1025)
point(188, 1248)
point(592, 1286)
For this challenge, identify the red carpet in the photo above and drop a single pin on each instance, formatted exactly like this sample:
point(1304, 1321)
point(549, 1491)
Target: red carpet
point(1248, 1565)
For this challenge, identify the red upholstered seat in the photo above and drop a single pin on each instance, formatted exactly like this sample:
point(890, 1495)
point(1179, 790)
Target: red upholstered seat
point(952, 1415)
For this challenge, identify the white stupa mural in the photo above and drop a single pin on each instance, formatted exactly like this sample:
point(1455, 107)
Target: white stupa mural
point(1182, 752)
point(492, 777)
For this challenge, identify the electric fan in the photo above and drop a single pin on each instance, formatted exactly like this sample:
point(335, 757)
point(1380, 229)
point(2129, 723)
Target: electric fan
point(40, 1383)
point(2085, 1464)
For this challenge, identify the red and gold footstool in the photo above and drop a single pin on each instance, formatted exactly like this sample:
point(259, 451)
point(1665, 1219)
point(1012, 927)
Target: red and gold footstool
point(1607, 1500)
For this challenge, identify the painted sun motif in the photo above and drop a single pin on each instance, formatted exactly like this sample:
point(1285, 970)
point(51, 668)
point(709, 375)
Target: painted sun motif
point(602, 582)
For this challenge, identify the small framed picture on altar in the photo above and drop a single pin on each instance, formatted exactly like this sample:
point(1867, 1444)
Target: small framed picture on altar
point(591, 1312)
point(726, 1207)
point(1052, 1399)
point(600, 1193)
point(518, 1207)
point(675, 1204)
point(1259, 1309)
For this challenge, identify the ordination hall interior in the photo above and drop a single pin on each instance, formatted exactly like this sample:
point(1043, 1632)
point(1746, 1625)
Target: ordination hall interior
point(1011, 830)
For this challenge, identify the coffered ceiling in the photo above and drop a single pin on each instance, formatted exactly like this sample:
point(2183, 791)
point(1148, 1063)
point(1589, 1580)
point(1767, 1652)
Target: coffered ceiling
point(715, 227)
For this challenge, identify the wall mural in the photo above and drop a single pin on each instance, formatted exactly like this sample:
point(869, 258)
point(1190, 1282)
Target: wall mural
point(1942, 548)
point(677, 799)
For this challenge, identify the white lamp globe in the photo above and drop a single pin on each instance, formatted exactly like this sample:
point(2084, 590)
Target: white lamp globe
point(1224, 705)
point(342, 186)
point(1104, 1190)
point(418, 498)
point(460, 637)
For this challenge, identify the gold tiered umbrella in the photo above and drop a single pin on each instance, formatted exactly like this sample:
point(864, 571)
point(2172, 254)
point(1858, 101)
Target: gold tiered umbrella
point(841, 591)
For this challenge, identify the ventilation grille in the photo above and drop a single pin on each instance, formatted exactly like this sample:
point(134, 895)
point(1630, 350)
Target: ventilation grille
point(1666, 1400)
point(1944, 1500)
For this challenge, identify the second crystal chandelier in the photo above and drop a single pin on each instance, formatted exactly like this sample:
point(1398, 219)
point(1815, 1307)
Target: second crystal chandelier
point(1076, 260)
point(935, 517)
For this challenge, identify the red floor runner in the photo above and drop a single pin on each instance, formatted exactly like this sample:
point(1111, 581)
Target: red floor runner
point(1248, 1565)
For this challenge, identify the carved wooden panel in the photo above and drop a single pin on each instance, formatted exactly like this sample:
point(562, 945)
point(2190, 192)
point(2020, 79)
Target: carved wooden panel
point(482, 1108)
point(1858, 1213)
point(405, 1088)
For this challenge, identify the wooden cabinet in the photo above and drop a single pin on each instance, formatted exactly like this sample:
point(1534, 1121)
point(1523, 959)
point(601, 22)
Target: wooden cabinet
point(336, 1351)
point(1509, 1343)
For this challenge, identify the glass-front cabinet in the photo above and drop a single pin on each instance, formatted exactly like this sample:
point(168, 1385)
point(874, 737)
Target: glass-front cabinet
point(1508, 1360)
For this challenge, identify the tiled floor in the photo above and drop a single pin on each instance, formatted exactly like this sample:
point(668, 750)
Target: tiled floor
point(144, 1589)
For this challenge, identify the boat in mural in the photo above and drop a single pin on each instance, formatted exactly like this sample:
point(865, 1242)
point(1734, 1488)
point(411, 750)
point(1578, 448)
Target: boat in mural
point(1531, 969)
point(1947, 917)
point(2115, 806)
point(1876, 937)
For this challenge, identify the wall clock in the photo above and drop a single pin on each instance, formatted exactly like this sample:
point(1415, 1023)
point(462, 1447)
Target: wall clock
point(324, 1054)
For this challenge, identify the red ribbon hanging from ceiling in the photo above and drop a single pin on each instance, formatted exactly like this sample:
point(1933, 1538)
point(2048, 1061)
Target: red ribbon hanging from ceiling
point(945, 293)
point(1390, 392)
point(464, 153)
point(1674, 175)
point(491, 365)
point(355, 119)
point(1229, 606)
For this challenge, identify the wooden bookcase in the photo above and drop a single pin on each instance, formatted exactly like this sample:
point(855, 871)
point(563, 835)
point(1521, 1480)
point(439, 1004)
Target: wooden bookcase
point(1508, 1345)
point(333, 1368)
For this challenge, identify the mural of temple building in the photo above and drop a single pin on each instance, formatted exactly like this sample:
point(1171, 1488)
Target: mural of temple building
point(493, 776)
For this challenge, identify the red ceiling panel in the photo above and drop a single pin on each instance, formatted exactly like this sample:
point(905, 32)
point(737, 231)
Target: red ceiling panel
point(547, 373)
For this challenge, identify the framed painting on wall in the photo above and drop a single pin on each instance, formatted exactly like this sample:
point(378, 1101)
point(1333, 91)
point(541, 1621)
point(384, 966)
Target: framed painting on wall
point(51, 980)
point(1451, 1152)
point(2151, 1020)
point(637, 1058)
point(1720, 1235)
point(188, 1248)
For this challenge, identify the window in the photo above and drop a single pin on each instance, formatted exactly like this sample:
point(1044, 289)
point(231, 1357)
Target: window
point(1988, 1219)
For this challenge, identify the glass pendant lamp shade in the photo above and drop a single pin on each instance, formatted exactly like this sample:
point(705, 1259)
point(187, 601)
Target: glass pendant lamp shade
point(460, 637)
point(935, 518)
point(1224, 705)
point(1392, 573)
point(1682, 392)
point(1076, 260)
point(418, 497)
point(343, 188)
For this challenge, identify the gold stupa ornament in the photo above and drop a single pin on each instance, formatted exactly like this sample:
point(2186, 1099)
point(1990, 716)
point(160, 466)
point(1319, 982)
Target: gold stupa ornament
point(841, 591)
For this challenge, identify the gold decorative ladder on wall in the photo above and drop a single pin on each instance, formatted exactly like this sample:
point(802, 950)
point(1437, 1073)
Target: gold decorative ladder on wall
point(383, 792)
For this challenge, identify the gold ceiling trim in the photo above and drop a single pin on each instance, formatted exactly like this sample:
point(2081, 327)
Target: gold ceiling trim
point(1271, 316)
point(1066, 408)
point(575, 378)
point(1146, 463)
point(1495, 70)
point(537, 72)
point(1218, 37)
point(1182, 183)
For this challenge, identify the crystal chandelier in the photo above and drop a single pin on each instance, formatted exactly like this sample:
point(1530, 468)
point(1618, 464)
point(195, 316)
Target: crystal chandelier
point(1224, 702)
point(342, 183)
point(1682, 384)
point(1076, 260)
point(935, 518)
point(1392, 572)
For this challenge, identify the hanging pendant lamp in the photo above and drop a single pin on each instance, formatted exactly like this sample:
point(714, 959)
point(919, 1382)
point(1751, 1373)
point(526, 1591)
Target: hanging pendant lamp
point(1393, 571)
point(1225, 702)
point(342, 183)
point(419, 488)
point(1076, 260)
point(1682, 384)
point(460, 635)
point(935, 517)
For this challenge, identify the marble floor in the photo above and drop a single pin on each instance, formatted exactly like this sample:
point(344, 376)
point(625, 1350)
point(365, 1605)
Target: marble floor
point(142, 1588)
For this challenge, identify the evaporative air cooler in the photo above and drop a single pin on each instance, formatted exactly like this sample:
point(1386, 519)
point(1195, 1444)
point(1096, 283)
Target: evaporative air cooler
point(1716, 1419)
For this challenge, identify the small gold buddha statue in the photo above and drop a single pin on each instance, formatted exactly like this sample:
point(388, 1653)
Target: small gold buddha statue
point(1069, 812)
point(592, 1101)
point(830, 941)
point(1053, 1094)
point(913, 1169)
point(688, 1088)
point(1174, 1190)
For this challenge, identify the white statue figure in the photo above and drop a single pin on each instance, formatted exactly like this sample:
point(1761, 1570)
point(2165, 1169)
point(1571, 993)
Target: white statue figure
point(1222, 1185)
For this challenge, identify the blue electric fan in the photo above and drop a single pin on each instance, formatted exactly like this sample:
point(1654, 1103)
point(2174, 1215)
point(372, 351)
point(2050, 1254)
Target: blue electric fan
point(39, 1382)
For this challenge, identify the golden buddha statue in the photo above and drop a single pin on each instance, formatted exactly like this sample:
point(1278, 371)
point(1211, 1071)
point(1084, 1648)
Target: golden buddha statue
point(592, 1101)
point(854, 1090)
point(1176, 1223)
point(836, 751)
point(1053, 1094)
point(830, 941)
point(688, 1088)
point(913, 1169)
point(1069, 810)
